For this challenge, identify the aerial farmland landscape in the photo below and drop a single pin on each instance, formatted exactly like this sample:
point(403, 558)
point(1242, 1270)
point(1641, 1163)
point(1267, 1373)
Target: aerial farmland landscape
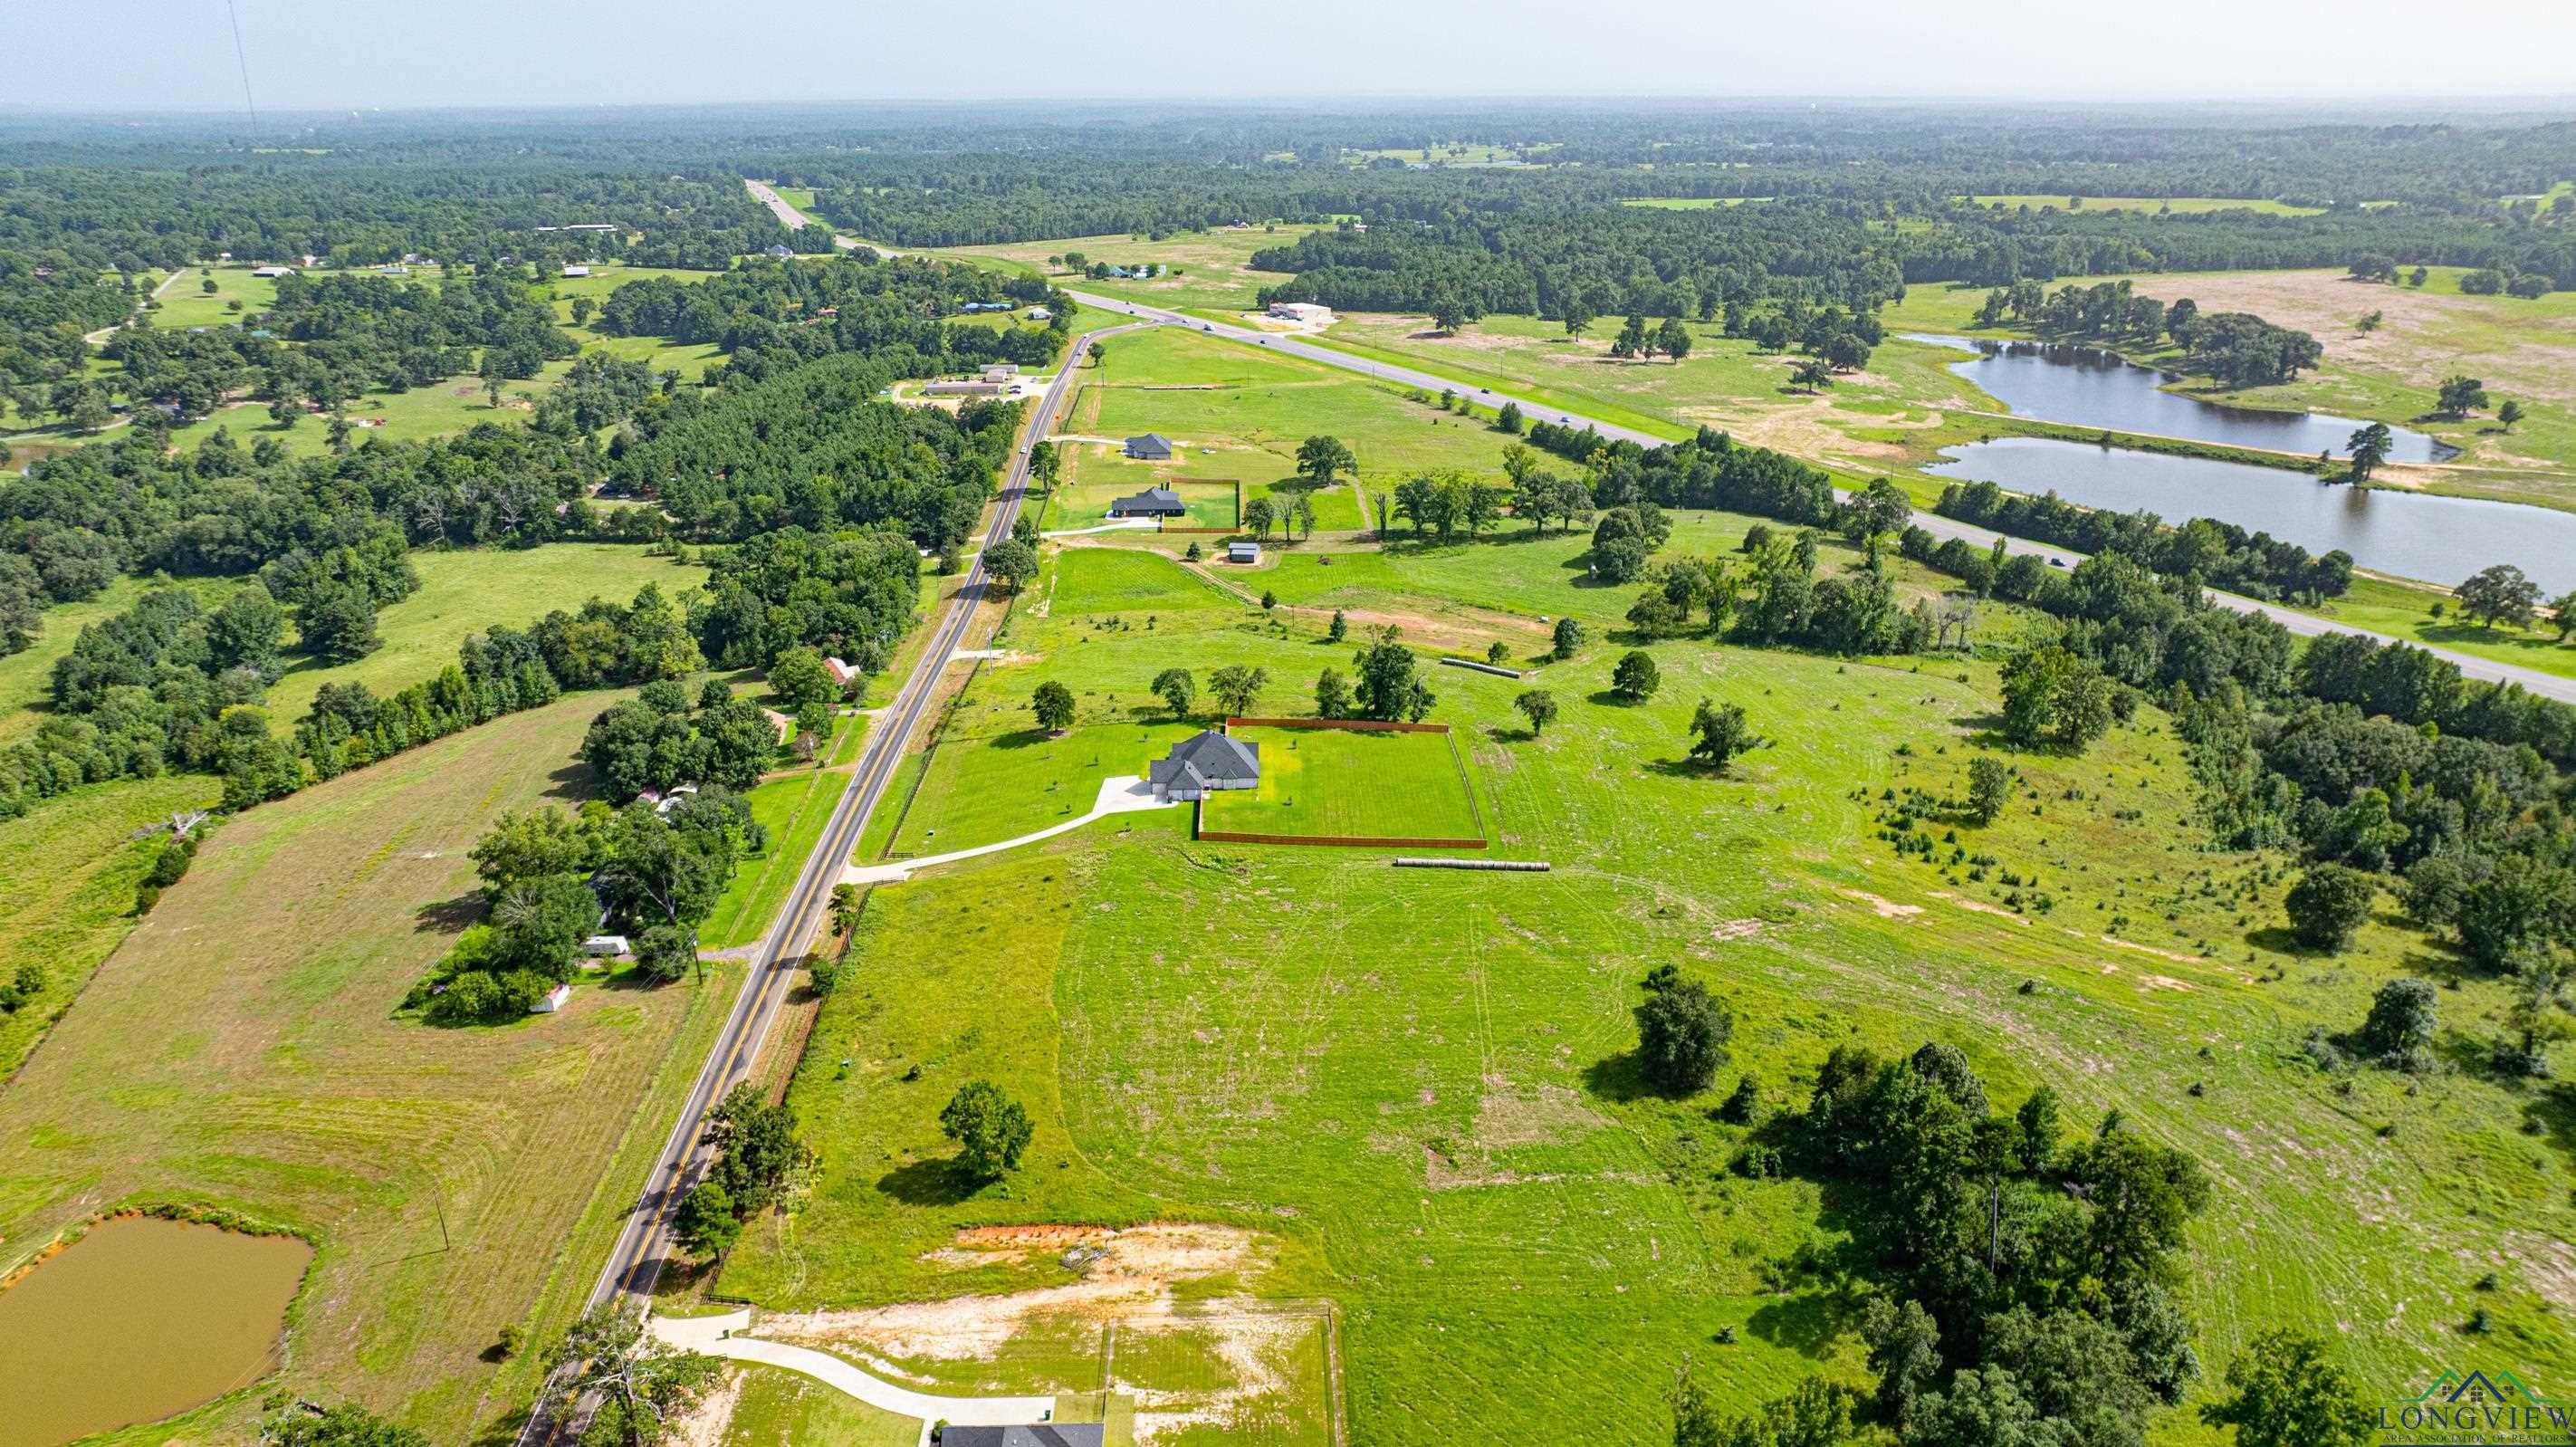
point(1107, 729)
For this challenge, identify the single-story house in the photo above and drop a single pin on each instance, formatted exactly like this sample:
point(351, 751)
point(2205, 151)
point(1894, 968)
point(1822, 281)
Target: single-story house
point(1034, 1434)
point(1000, 371)
point(1153, 502)
point(1300, 311)
point(272, 271)
point(1152, 447)
point(603, 946)
point(576, 269)
point(841, 672)
point(1242, 552)
point(1204, 763)
point(553, 1001)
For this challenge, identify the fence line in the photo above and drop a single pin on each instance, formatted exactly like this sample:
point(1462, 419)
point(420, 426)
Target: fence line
point(1356, 841)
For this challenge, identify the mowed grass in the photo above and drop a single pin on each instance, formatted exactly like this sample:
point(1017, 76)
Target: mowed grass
point(470, 589)
point(187, 303)
point(2404, 610)
point(1127, 580)
point(1319, 783)
point(1239, 412)
point(68, 872)
point(241, 1051)
point(779, 1408)
point(1421, 1082)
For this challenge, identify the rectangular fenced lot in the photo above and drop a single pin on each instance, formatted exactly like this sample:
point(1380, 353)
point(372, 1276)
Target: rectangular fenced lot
point(1344, 782)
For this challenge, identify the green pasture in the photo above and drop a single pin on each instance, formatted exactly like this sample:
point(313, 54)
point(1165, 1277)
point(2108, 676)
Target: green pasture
point(1126, 580)
point(240, 1050)
point(26, 677)
point(1215, 271)
point(793, 804)
point(1319, 783)
point(1419, 1082)
point(1245, 416)
point(466, 590)
point(188, 304)
point(68, 872)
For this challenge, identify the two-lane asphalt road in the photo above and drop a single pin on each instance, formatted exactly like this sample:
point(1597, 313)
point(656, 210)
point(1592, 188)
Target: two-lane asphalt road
point(634, 1265)
point(2547, 685)
point(636, 1261)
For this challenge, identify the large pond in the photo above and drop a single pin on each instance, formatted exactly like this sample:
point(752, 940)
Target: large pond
point(137, 1320)
point(2089, 387)
point(2438, 539)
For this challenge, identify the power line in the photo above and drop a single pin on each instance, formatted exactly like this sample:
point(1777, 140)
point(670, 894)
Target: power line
point(243, 60)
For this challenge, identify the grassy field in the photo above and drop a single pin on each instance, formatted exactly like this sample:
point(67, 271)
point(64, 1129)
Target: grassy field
point(2178, 205)
point(68, 872)
point(1416, 1086)
point(1241, 413)
point(1319, 783)
point(1214, 267)
point(2403, 610)
point(463, 591)
point(188, 304)
point(772, 1407)
point(26, 677)
point(240, 1051)
point(1125, 580)
point(2522, 349)
point(793, 806)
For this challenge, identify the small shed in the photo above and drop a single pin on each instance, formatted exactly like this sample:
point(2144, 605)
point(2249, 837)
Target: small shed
point(1040, 314)
point(1152, 447)
point(553, 1001)
point(1242, 552)
point(576, 269)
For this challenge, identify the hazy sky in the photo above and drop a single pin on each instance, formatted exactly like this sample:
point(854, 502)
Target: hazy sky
point(129, 54)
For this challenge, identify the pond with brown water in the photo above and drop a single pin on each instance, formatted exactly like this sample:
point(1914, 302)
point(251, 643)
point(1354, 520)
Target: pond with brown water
point(139, 1319)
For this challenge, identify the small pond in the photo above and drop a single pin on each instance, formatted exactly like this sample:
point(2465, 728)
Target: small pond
point(137, 1320)
point(2089, 387)
point(2437, 539)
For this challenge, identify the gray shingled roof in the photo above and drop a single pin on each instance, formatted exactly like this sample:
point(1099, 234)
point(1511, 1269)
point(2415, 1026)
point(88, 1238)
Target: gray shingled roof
point(1038, 1434)
point(1209, 757)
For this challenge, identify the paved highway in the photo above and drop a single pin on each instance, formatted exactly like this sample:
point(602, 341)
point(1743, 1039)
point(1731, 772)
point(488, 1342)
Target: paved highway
point(2307, 625)
point(2547, 685)
point(636, 1262)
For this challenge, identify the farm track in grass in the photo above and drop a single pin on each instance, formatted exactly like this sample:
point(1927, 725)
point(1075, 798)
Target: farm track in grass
point(1420, 1084)
point(240, 1050)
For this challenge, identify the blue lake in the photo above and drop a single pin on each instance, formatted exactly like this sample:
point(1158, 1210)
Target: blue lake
point(2437, 539)
point(2089, 387)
